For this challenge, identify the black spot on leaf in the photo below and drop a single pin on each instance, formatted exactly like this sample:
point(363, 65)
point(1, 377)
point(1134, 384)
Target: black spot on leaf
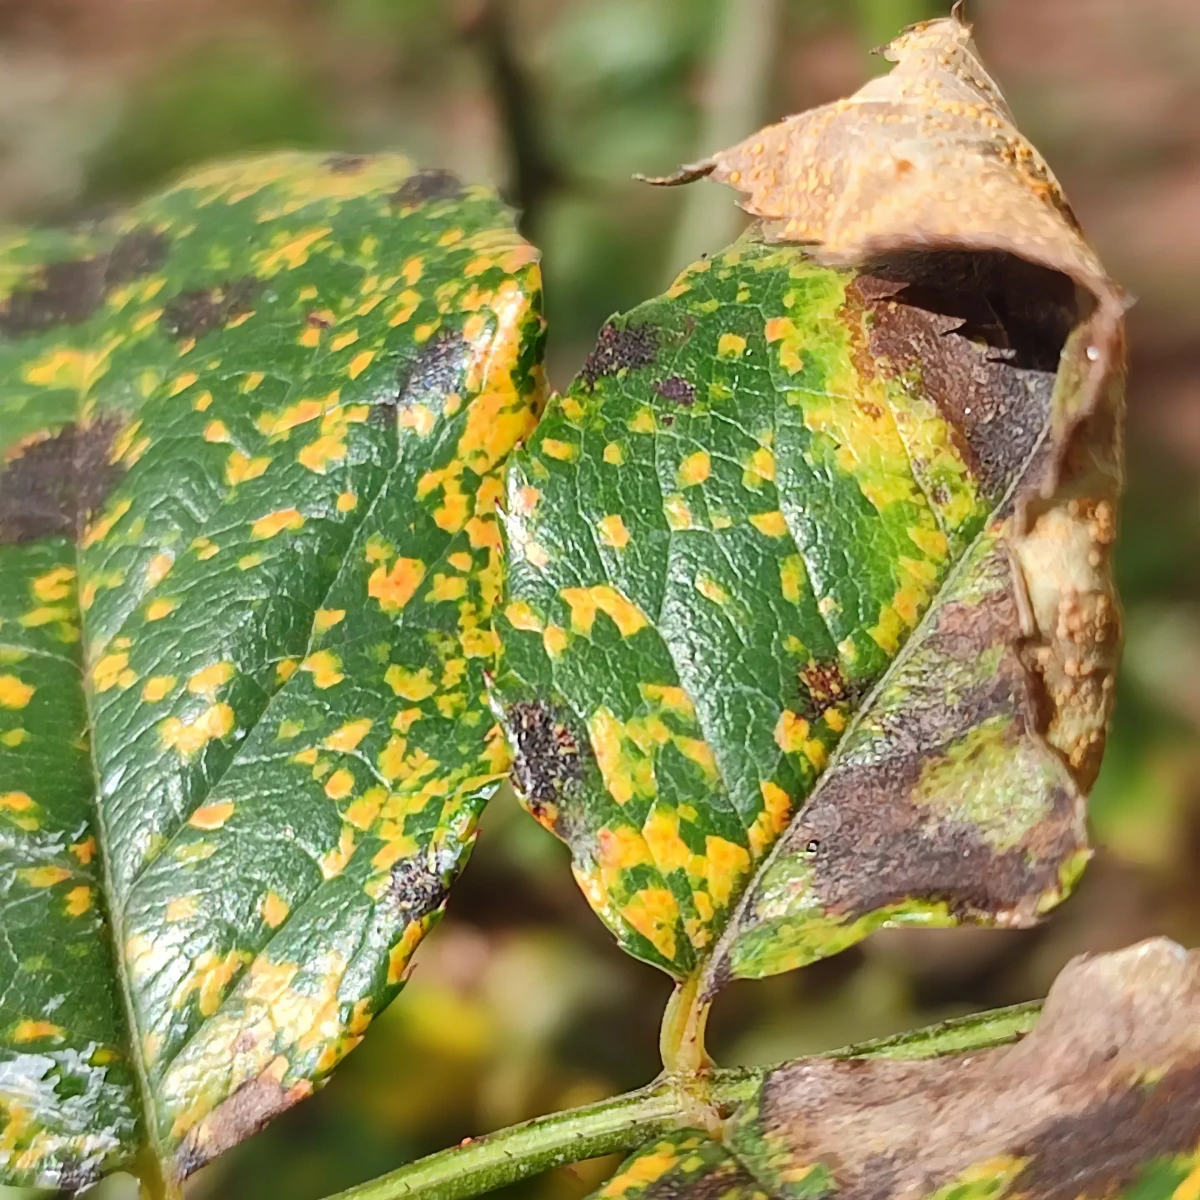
point(428, 185)
point(549, 759)
point(619, 349)
point(346, 164)
point(415, 889)
point(437, 370)
point(68, 293)
point(136, 255)
point(65, 293)
point(676, 388)
point(56, 484)
point(194, 313)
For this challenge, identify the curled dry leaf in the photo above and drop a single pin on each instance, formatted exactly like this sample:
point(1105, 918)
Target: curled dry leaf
point(1102, 1098)
point(810, 623)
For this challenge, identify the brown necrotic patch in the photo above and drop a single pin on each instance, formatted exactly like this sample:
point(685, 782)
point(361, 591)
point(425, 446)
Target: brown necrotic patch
point(1107, 1083)
point(913, 808)
point(549, 763)
point(191, 314)
point(979, 335)
point(678, 389)
point(620, 348)
point(68, 293)
point(55, 485)
point(428, 185)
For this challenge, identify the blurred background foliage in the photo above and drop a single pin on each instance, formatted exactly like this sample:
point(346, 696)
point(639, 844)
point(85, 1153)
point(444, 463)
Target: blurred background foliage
point(519, 1003)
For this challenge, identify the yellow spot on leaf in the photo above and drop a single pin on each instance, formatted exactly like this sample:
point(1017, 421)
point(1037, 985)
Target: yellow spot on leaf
point(359, 363)
point(326, 618)
point(554, 640)
point(585, 602)
point(613, 454)
point(792, 577)
point(276, 522)
point(54, 585)
point(772, 821)
point(521, 616)
point(43, 877)
point(563, 451)
point(207, 681)
point(339, 785)
point(334, 862)
point(347, 502)
point(32, 1031)
point(643, 422)
point(112, 670)
point(771, 524)
point(211, 816)
point(731, 345)
point(613, 532)
point(157, 569)
point(14, 693)
point(157, 687)
point(393, 589)
point(791, 732)
point(654, 914)
point(239, 468)
point(325, 668)
point(156, 610)
point(216, 431)
point(79, 900)
point(274, 909)
point(187, 738)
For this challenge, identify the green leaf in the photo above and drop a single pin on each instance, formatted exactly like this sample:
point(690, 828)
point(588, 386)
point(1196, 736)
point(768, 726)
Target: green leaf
point(819, 542)
point(1099, 1099)
point(248, 556)
point(768, 539)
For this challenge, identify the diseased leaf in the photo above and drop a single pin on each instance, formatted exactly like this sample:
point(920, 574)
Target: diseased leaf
point(826, 549)
point(248, 556)
point(1102, 1098)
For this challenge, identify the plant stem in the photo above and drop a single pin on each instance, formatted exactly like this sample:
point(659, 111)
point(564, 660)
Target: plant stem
point(497, 1159)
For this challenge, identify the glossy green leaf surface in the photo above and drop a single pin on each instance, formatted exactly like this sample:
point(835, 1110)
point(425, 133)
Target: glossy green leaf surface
point(1099, 1099)
point(804, 540)
point(248, 555)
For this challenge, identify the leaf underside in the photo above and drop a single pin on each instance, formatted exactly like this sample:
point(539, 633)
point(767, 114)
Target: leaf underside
point(1102, 1098)
point(248, 556)
point(825, 549)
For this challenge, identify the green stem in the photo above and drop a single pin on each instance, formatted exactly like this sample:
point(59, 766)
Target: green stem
point(626, 1122)
point(497, 1159)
